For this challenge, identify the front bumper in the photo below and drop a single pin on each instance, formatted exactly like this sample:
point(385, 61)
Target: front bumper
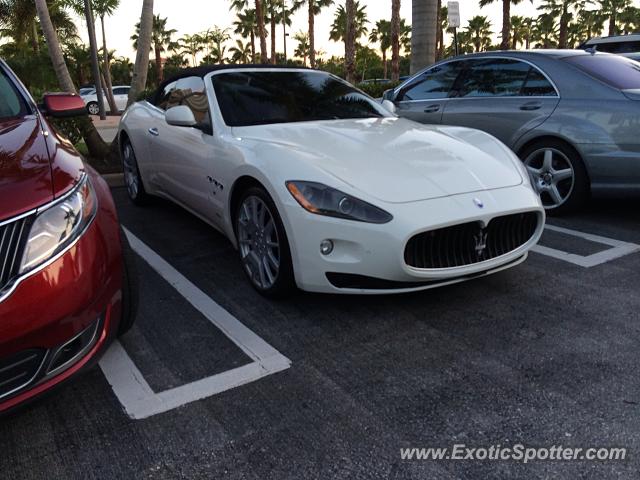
point(376, 252)
point(73, 303)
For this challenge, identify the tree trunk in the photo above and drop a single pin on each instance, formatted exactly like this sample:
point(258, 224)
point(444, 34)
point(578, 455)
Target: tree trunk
point(506, 24)
point(273, 35)
point(312, 39)
point(385, 65)
point(264, 55)
point(350, 42)
point(612, 24)
point(141, 68)
point(113, 108)
point(424, 15)
point(34, 38)
point(159, 70)
point(253, 47)
point(97, 147)
point(564, 27)
point(395, 42)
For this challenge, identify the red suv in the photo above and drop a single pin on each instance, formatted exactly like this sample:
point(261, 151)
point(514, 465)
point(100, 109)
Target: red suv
point(66, 285)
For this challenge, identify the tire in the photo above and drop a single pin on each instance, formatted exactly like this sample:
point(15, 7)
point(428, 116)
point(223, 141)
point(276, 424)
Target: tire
point(558, 175)
point(132, 178)
point(93, 108)
point(130, 286)
point(256, 239)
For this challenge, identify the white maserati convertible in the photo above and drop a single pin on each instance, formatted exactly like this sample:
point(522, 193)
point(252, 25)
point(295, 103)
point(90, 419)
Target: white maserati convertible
point(320, 187)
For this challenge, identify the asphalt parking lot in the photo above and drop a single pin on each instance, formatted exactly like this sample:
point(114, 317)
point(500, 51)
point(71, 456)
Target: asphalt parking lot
point(216, 382)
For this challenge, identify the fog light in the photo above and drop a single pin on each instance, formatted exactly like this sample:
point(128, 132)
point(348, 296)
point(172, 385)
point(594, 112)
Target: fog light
point(326, 247)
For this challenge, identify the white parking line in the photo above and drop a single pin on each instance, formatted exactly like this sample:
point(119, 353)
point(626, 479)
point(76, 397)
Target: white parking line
point(133, 391)
point(619, 249)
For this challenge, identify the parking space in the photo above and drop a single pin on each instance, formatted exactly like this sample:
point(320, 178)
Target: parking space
point(215, 381)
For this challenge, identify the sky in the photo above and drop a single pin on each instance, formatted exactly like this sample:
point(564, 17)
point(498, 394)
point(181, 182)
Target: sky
point(193, 16)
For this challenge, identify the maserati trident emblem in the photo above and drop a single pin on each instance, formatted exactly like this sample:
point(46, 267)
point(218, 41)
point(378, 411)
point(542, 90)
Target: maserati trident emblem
point(479, 203)
point(481, 242)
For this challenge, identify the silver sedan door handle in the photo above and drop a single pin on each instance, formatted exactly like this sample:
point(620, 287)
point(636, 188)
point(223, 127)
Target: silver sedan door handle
point(432, 108)
point(531, 106)
point(154, 132)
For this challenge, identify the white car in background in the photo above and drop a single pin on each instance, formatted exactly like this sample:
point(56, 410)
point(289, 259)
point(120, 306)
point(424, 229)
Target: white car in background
point(120, 95)
point(320, 187)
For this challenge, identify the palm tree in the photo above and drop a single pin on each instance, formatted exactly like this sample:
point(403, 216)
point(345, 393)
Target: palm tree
point(506, 19)
point(561, 9)
point(591, 23)
point(106, 8)
point(161, 38)
point(215, 39)
point(424, 20)
point(303, 48)
point(443, 26)
point(262, 34)
point(338, 32)
point(314, 8)
point(382, 34)
point(520, 31)
point(240, 52)
point(245, 26)
point(479, 29)
point(350, 39)
point(97, 147)
point(545, 31)
point(611, 8)
point(395, 41)
point(141, 68)
point(191, 45)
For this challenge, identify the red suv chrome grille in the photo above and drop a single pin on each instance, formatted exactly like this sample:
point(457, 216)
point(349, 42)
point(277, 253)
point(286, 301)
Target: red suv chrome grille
point(13, 236)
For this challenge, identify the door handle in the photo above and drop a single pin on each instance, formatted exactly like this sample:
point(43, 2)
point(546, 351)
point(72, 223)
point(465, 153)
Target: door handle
point(531, 106)
point(432, 108)
point(154, 132)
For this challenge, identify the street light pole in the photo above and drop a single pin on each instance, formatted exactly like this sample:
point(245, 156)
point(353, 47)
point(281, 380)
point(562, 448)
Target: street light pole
point(95, 65)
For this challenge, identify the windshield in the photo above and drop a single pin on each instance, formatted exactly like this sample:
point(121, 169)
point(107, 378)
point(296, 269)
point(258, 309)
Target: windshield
point(617, 71)
point(11, 103)
point(263, 97)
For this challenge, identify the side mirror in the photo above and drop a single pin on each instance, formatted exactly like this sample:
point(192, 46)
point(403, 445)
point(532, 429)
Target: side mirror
point(180, 116)
point(389, 105)
point(388, 95)
point(63, 105)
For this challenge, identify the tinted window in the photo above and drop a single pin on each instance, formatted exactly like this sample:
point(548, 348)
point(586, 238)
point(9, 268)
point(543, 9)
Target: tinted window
point(617, 47)
point(259, 97)
point(11, 103)
point(494, 78)
point(619, 72)
point(434, 83)
point(121, 91)
point(537, 85)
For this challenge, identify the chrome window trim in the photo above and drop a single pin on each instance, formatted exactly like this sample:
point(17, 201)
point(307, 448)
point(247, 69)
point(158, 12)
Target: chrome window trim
point(18, 280)
point(492, 57)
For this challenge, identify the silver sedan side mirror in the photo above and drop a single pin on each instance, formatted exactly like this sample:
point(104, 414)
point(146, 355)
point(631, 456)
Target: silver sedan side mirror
point(389, 105)
point(180, 116)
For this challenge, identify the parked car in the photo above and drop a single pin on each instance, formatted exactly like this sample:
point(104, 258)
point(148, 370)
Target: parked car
point(320, 187)
point(572, 116)
point(66, 286)
point(614, 44)
point(120, 95)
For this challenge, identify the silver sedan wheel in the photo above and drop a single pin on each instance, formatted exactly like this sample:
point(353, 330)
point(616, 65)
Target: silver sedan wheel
point(94, 109)
point(130, 166)
point(552, 176)
point(258, 241)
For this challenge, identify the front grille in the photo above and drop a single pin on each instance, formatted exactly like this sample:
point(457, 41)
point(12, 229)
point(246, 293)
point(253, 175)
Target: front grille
point(13, 236)
point(470, 243)
point(19, 370)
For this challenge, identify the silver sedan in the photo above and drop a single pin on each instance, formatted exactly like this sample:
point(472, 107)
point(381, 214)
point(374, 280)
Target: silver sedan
point(572, 116)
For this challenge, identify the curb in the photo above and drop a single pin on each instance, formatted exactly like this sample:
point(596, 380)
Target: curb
point(114, 179)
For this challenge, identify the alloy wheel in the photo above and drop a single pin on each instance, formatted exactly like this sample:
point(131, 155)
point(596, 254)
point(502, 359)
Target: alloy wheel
point(552, 175)
point(130, 167)
point(94, 109)
point(258, 242)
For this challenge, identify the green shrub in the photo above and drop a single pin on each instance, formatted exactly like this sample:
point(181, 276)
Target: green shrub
point(376, 90)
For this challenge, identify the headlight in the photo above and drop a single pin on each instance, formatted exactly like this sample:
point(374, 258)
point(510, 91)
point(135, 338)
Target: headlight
point(57, 227)
point(322, 200)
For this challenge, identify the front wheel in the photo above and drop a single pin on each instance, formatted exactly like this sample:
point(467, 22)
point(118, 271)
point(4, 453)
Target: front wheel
point(132, 178)
point(93, 108)
point(558, 175)
point(263, 244)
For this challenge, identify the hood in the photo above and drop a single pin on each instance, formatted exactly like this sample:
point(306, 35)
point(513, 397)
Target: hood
point(25, 171)
point(396, 160)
